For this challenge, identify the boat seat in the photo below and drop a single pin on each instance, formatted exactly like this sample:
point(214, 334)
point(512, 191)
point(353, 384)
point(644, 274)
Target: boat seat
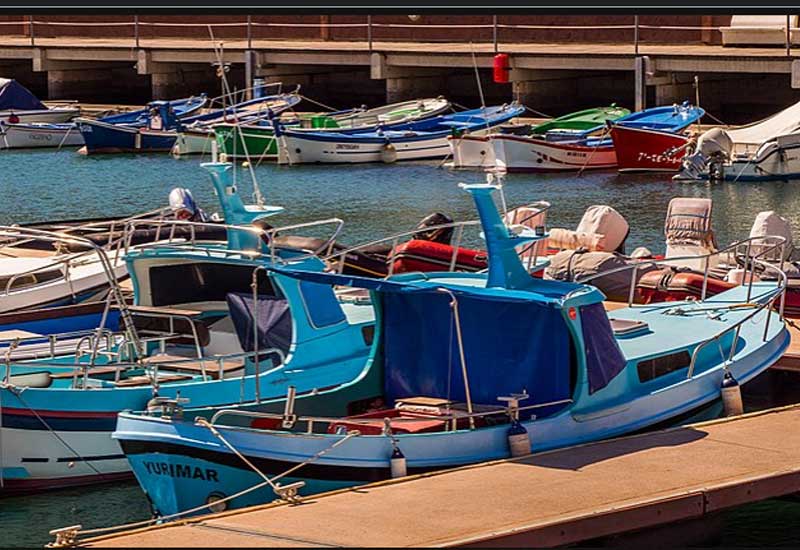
point(42, 379)
point(178, 363)
point(93, 372)
point(146, 380)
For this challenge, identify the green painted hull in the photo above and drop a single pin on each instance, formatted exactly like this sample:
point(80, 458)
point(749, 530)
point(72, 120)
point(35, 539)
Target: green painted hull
point(246, 141)
point(582, 120)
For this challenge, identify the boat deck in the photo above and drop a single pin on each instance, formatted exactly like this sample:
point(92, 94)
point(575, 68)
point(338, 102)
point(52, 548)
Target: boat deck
point(552, 498)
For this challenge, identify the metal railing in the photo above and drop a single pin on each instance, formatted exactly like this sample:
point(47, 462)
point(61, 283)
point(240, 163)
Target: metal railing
point(490, 31)
point(450, 420)
point(338, 258)
point(766, 301)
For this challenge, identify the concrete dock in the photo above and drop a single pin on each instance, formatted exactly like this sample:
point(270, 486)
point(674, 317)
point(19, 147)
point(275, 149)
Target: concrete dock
point(548, 499)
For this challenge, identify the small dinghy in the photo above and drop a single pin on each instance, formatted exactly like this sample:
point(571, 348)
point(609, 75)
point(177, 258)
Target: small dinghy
point(472, 367)
point(422, 139)
point(39, 134)
point(521, 153)
point(471, 151)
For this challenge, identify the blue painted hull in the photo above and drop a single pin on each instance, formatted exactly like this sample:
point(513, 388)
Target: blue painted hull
point(105, 138)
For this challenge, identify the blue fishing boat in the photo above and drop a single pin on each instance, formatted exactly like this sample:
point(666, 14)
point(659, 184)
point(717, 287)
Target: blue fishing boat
point(565, 151)
point(163, 124)
point(474, 367)
point(189, 334)
point(420, 139)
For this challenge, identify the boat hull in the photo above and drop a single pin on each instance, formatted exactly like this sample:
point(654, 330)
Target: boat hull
point(471, 151)
point(54, 116)
point(193, 143)
point(640, 150)
point(21, 136)
point(524, 154)
point(107, 138)
point(245, 141)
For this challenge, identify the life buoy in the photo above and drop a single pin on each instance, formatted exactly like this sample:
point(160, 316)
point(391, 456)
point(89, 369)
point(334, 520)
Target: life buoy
point(388, 153)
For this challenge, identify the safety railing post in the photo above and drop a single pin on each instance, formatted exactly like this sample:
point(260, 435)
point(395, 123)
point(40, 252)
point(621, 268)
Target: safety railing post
point(494, 32)
point(636, 35)
point(30, 23)
point(136, 30)
point(788, 36)
point(369, 32)
point(249, 34)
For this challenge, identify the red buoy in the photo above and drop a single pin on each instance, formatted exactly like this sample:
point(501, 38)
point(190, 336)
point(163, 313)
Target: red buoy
point(501, 68)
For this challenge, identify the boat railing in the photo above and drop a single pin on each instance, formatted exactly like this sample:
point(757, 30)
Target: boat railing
point(767, 301)
point(181, 242)
point(338, 258)
point(102, 256)
point(769, 245)
point(451, 420)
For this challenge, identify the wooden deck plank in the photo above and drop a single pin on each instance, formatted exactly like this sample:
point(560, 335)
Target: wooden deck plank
point(557, 497)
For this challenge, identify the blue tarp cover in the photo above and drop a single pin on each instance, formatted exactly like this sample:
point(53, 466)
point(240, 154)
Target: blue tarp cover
point(509, 347)
point(14, 95)
point(604, 359)
point(274, 321)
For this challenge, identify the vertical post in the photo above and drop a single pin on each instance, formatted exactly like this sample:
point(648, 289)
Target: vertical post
point(636, 35)
point(369, 32)
point(639, 87)
point(249, 63)
point(788, 36)
point(30, 22)
point(494, 32)
point(136, 30)
point(249, 32)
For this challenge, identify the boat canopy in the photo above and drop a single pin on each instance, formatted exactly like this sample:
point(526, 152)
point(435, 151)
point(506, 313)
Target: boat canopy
point(781, 123)
point(14, 95)
point(514, 340)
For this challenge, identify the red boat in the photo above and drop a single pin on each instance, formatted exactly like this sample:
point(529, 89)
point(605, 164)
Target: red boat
point(419, 255)
point(641, 150)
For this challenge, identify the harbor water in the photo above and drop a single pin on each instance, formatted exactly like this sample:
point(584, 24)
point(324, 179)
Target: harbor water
point(374, 201)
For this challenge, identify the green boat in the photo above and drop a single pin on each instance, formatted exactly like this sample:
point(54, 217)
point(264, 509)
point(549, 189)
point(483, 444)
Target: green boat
point(258, 141)
point(582, 122)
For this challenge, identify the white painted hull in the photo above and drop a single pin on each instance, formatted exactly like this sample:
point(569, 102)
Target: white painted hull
point(41, 457)
point(297, 150)
point(471, 151)
point(21, 137)
point(85, 276)
point(523, 154)
point(54, 116)
point(193, 143)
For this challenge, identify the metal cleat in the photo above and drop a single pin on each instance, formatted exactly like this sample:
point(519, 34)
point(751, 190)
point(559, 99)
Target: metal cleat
point(66, 537)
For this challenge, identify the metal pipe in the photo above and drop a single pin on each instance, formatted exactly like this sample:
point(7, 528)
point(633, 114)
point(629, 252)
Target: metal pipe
point(457, 320)
point(369, 32)
point(136, 30)
point(249, 35)
point(705, 279)
point(636, 35)
point(632, 289)
point(788, 36)
point(30, 22)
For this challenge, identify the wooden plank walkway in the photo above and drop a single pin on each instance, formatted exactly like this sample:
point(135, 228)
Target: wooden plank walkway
point(553, 498)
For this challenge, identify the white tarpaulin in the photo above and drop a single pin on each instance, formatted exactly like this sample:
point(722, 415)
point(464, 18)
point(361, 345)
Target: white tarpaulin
point(748, 138)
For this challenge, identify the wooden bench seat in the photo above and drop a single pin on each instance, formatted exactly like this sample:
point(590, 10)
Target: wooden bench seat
point(182, 364)
point(146, 380)
point(95, 371)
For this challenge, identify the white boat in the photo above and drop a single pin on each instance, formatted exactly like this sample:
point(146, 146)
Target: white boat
point(528, 154)
point(471, 151)
point(421, 139)
point(39, 134)
point(765, 150)
point(195, 141)
point(18, 104)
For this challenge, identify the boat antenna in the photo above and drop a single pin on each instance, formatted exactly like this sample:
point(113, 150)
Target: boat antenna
point(257, 196)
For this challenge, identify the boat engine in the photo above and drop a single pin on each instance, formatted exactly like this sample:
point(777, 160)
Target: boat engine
point(441, 235)
point(712, 151)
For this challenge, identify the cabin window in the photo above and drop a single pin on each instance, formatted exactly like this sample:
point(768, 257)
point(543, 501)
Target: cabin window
point(650, 369)
point(30, 279)
point(604, 359)
point(321, 304)
point(202, 282)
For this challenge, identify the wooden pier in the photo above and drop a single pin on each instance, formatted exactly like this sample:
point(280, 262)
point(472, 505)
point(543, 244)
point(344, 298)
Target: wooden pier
point(548, 499)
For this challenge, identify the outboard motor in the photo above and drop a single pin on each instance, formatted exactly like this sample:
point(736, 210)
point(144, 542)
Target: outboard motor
point(712, 150)
point(441, 235)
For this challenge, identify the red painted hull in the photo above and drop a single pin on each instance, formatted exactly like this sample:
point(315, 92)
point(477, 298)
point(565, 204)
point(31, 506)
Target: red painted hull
point(648, 150)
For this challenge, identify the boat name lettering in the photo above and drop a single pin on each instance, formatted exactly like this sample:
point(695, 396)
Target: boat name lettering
point(348, 146)
point(180, 470)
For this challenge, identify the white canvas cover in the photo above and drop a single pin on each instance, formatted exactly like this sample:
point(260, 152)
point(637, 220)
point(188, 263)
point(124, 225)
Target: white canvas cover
point(601, 228)
point(749, 137)
point(687, 229)
point(571, 265)
point(770, 223)
point(529, 217)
